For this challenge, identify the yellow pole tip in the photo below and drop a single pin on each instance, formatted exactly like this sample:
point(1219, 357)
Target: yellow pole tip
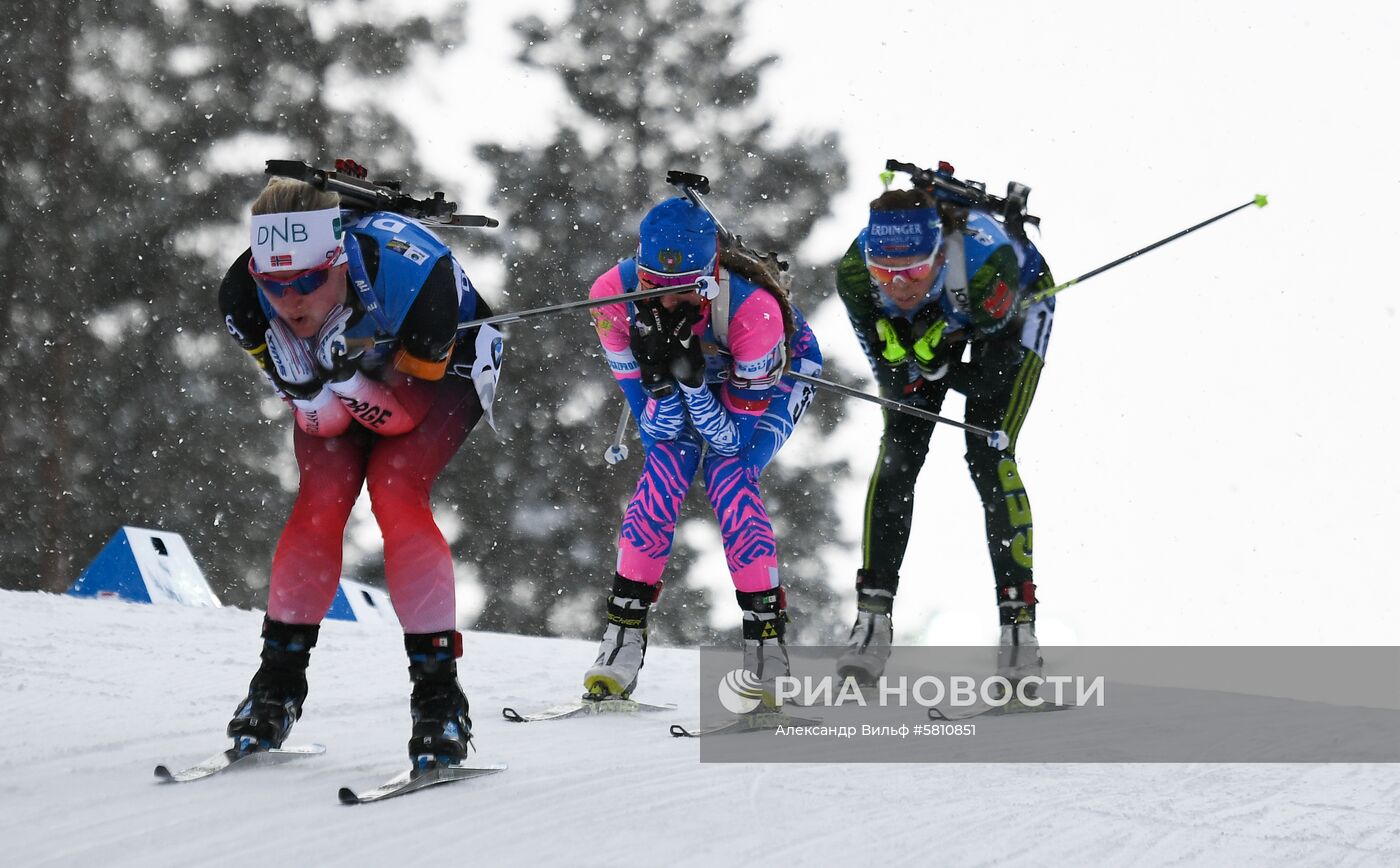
point(1261, 200)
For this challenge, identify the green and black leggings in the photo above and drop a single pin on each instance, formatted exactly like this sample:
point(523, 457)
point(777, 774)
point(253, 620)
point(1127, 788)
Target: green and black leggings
point(999, 383)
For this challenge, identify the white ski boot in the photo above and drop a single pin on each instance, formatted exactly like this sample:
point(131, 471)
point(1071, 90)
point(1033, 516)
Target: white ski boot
point(868, 648)
point(1018, 651)
point(623, 649)
point(765, 652)
point(871, 640)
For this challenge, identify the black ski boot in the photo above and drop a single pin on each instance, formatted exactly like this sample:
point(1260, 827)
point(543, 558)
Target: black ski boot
point(277, 690)
point(442, 731)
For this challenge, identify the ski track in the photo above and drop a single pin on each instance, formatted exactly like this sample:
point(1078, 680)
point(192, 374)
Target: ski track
point(102, 691)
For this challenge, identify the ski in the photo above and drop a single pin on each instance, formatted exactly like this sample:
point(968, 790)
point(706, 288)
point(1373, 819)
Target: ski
point(234, 758)
point(417, 779)
point(1012, 707)
point(585, 707)
point(754, 721)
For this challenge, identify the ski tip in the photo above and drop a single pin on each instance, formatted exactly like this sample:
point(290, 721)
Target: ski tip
point(164, 773)
point(348, 797)
point(1261, 200)
point(512, 715)
point(679, 731)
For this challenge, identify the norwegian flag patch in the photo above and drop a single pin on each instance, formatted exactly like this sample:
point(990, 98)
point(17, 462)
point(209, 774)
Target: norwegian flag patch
point(280, 260)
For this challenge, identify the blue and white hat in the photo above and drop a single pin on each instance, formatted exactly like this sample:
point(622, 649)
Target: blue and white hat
point(677, 237)
point(297, 240)
point(912, 232)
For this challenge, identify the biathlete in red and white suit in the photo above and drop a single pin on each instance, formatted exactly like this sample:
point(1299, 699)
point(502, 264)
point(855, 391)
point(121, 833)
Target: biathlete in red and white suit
point(317, 285)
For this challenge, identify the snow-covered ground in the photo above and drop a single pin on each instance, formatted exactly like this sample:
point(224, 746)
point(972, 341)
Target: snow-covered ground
point(96, 693)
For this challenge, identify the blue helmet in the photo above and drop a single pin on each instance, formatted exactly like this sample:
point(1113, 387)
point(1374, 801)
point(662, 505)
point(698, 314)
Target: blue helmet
point(677, 237)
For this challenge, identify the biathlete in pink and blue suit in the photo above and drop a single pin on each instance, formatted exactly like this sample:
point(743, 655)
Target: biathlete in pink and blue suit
point(707, 380)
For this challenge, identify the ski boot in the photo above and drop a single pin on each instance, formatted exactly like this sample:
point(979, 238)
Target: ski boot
point(442, 731)
point(278, 689)
point(765, 652)
point(871, 640)
point(1018, 652)
point(623, 649)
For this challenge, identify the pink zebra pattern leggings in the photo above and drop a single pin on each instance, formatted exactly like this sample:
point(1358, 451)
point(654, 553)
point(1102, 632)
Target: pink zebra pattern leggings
point(649, 525)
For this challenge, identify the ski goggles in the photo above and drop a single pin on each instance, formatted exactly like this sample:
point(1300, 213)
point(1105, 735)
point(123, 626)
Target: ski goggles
point(304, 282)
point(887, 274)
point(657, 280)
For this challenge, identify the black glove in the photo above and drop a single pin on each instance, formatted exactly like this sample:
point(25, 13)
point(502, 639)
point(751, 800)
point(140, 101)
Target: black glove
point(687, 357)
point(651, 346)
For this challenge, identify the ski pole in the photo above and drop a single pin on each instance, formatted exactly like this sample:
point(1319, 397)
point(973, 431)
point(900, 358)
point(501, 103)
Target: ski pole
point(996, 439)
point(1261, 200)
point(617, 452)
point(708, 287)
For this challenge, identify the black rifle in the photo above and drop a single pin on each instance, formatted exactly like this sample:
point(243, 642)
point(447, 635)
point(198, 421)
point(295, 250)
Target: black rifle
point(380, 195)
point(945, 188)
point(693, 186)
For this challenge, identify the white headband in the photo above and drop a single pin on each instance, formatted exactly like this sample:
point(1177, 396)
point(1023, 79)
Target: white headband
point(297, 240)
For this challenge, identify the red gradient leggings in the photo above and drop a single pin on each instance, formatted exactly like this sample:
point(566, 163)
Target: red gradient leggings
point(400, 472)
